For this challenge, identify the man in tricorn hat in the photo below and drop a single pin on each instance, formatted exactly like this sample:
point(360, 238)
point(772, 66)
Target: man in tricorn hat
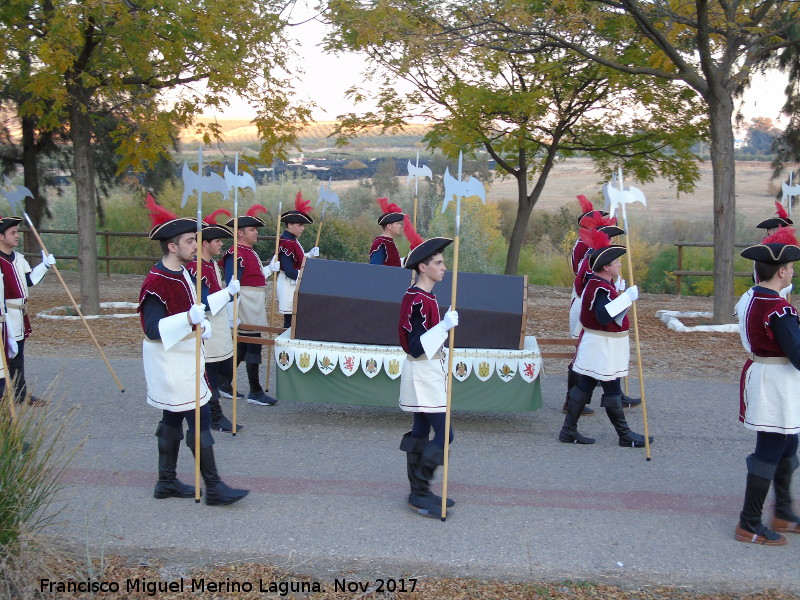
point(252, 276)
point(169, 312)
point(219, 347)
point(772, 224)
point(291, 254)
point(423, 378)
point(603, 350)
point(384, 249)
point(770, 390)
point(17, 278)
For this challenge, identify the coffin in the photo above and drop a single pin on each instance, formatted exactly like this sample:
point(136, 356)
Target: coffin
point(360, 303)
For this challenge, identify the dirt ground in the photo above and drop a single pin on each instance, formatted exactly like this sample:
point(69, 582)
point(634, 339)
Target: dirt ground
point(665, 353)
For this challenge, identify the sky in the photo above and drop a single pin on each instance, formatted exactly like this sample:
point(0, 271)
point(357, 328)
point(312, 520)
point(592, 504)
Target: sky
point(327, 77)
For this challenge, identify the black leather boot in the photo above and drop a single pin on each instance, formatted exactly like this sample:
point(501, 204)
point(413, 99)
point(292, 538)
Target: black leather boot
point(217, 492)
point(627, 438)
point(420, 489)
point(572, 381)
point(750, 529)
point(569, 434)
point(219, 422)
point(168, 484)
point(785, 519)
point(431, 458)
point(257, 394)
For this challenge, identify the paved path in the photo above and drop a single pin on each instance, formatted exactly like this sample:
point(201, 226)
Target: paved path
point(328, 490)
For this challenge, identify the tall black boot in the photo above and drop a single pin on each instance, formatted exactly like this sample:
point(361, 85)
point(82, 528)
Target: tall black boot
point(168, 484)
point(217, 492)
point(431, 458)
point(627, 438)
point(750, 528)
point(569, 434)
point(420, 489)
point(785, 519)
point(572, 381)
point(219, 422)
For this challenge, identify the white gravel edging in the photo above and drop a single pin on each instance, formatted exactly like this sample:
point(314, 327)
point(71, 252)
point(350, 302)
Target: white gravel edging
point(50, 313)
point(672, 319)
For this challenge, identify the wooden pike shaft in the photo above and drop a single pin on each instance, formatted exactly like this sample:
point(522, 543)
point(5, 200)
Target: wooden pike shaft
point(75, 305)
point(638, 348)
point(274, 286)
point(451, 343)
point(198, 350)
point(9, 392)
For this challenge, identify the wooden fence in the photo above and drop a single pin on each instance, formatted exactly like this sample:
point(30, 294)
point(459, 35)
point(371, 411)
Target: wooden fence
point(107, 235)
point(680, 272)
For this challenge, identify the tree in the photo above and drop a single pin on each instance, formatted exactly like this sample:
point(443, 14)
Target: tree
point(73, 59)
point(761, 135)
point(709, 46)
point(526, 110)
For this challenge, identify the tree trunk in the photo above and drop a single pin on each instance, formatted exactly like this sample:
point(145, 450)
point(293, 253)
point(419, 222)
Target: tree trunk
point(35, 207)
point(524, 208)
point(83, 169)
point(720, 110)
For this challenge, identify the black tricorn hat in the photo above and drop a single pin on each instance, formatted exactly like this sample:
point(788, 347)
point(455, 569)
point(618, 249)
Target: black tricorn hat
point(6, 222)
point(250, 219)
point(169, 229)
point(296, 216)
point(782, 220)
point(611, 230)
point(426, 249)
point(391, 212)
point(216, 232)
point(601, 257)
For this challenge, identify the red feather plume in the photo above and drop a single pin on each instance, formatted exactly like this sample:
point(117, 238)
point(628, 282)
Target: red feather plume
point(158, 214)
point(594, 238)
point(414, 239)
point(388, 207)
point(781, 212)
point(586, 206)
point(256, 209)
point(595, 219)
point(212, 218)
point(301, 204)
point(784, 235)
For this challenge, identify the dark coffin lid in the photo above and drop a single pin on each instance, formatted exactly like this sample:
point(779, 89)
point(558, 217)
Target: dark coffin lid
point(360, 303)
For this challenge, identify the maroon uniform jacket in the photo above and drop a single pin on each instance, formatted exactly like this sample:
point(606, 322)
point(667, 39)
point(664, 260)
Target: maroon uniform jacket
point(392, 254)
point(590, 296)
point(428, 307)
point(579, 250)
point(293, 250)
point(582, 276)
point(173, 290)
point(209, 276)
point(13, 287)
point(760, 310)
point(251, 275)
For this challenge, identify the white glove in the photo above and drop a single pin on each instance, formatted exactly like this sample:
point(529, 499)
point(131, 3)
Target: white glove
point(197, 313)
point(12, 347)
point(450, 319)
point(632, 293)
point(620, 284)
point(206, 325)
point(274, 265)
point(48, 259)
point(313, 253)
point(233, 287)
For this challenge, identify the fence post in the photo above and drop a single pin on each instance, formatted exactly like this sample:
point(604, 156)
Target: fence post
point(680, 267)
point(108, 254)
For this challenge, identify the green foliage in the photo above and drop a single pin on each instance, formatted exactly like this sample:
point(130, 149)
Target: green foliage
point(32, 460)
point(480, 238)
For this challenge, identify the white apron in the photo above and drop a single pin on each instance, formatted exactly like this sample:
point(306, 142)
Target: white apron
point(252, 306)
point(772, 396)
point(170, 375)
point(423, 384)
point(603, 355)
point(575, 326)
point(220, 346)
point(286, 288)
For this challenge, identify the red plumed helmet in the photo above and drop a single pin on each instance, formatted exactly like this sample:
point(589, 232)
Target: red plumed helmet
point(594, 239)
point(212, 218)
point(414, 239)
point(255, 209)
point(586, 206)
point(781, 212)
point(784, 235)
point(388, 207)
point(158, 214)
point(304, 206)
